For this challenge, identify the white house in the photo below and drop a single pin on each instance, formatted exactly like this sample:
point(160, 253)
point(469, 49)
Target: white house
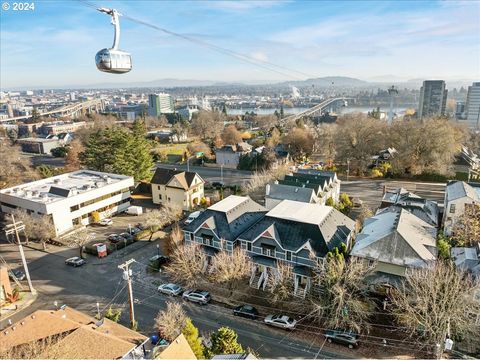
point(71, 198)
point(229, 155)
point(458, 195)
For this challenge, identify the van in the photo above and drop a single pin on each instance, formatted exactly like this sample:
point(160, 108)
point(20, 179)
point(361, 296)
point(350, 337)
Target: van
point(192, 217)
point(134, 210)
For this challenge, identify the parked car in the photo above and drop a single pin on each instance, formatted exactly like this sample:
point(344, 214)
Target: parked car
point(134, 230)
point(157, 261)
point(282, 321)
point(105, 222)
point(170, 289)
point(126, 236)
point(192, 217)
point(218, 184)
point(16, 274)
point(198, 296)
point(114, 238)
point(342, 337)
point(246, 311)
point(75, 261)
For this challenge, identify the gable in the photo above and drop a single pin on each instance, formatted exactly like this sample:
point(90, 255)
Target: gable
point(175, 183)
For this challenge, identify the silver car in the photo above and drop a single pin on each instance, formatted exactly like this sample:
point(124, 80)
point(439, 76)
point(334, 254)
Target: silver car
point(282, 321)
point(170, 289)
point(198, 296)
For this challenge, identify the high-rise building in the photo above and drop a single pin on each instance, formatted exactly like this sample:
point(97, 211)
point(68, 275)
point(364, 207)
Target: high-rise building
point(459, 110)
point(433, 98)
point(472, 107)
point(160, 104)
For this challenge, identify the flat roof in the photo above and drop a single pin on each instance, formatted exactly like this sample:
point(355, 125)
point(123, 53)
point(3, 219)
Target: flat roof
point(229, 203)
point(300, 212)
point(62, 186)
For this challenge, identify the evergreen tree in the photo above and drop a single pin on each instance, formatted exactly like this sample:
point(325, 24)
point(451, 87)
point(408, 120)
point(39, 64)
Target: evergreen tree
point(224, 341)
point(191, 335)
point(142, 157)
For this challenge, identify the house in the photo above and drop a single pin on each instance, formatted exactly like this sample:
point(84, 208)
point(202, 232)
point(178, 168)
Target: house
point(325, 183)
point(467, 165)
point(179, 188)
point(467, 259)
point(275, 193)
point(426, 210)
point(458, 196)
point(178, 349)
point(71, 334)
point(393, 241)
point(229, 155)
point(39, 145)
point(218, 227)
point(70, 199)
point(291, 233)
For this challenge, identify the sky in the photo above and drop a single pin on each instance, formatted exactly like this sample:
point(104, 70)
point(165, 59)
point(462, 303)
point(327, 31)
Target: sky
point(55, 44)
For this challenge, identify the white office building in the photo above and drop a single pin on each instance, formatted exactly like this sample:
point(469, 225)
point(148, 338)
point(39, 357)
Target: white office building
point(160, 104)
point(70, 199)
point(472, 107)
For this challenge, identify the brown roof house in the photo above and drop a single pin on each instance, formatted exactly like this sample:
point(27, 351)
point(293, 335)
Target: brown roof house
point(178, 188)
point(178, 349)
point(69, 334)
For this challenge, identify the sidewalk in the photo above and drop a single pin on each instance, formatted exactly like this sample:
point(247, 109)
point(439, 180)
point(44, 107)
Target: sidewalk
point(9, 310)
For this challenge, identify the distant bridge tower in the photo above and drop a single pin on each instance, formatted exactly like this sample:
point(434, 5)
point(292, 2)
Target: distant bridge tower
point(392, 92)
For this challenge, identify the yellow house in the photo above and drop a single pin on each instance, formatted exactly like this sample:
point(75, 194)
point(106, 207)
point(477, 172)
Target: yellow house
point(178, 188)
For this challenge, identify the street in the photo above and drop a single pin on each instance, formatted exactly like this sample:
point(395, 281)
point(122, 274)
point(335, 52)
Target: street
point(101, 281)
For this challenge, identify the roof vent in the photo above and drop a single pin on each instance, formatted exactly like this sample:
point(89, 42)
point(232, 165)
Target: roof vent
point(33, 316)
point(57, 181)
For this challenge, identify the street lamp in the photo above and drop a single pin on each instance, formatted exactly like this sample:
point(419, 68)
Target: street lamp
point(221, 173)
point(158, 249)
point(98, 311)
point(348, 168)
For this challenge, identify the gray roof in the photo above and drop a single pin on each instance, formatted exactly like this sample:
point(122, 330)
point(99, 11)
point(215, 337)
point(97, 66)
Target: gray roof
point(426, 210)
point(287, 192)
point(245, 356)
point(331, 229)
point(229, 217)
point(396, 236)
point(459, 189)
point(467, 259)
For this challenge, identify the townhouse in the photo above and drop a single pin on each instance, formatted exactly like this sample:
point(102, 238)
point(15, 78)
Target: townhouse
point(459, 195)
point(325, 183)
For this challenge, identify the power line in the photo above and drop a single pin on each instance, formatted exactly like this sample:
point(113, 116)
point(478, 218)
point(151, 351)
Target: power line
point(264, 64)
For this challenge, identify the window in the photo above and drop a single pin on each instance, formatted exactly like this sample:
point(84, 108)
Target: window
point(191, 237)
point(452, 209)
point(160, 196)
point(159, 187)
point(74, 208)
point(268, 251)
point(249, 246)
point(289, 256)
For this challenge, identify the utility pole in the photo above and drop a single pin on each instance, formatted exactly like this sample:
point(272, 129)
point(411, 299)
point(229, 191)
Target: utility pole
point(348, 168)
point(127, 275)
point(221, 173)
point(20, 248)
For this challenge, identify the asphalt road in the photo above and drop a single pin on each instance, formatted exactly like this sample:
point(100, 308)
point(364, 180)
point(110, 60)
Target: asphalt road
point(100, 281)
point(230, 176)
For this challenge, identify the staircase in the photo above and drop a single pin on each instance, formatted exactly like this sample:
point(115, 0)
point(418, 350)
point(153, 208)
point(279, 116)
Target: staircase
point(255, 279)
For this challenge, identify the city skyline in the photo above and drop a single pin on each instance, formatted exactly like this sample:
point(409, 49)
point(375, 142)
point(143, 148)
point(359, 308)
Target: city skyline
point(55, 44)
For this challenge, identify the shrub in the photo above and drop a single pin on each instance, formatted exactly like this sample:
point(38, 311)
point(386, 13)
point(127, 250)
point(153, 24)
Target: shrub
point(376, 173)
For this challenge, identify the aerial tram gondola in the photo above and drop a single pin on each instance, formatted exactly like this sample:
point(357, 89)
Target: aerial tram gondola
point(113, 60)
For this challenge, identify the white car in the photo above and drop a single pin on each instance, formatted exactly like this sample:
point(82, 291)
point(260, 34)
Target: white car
point(170, 289)
point(192, 217)
point(282, 321)
point(106, 222)
point(198, 296)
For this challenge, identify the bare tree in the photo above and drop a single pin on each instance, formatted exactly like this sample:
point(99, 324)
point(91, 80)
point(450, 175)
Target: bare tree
point(230, 268)
point(265, 122)
point(359, 138)
point(158, 218)
point(262, 178)
point(341, 303)
point(72, 161)
point(188, 264)
point(80, 238)
point(200, 146)
point(466, 231)
point(365, 213)
point(14, 168)
point(434, 300)
point(299, 143)
point(207, 125)
point(231, 135)
point(155, 122)
point(171, 321)
point(174, 240)
point(281, 284)
point(325, 135)
point(38, 227)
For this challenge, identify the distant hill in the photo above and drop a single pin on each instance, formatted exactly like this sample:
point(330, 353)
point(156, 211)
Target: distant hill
point(328, 81)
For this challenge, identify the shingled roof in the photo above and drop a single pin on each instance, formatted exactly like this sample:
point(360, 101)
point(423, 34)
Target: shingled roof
point(164, 176)
point(230, 217)
point(295, 224)
point(396, 236)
